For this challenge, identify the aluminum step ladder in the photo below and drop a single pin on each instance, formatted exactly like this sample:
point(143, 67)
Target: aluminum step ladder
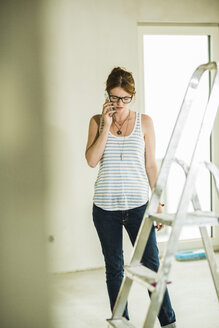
point(156, 282)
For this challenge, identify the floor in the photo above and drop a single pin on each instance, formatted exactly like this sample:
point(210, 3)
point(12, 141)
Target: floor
point(80, 299)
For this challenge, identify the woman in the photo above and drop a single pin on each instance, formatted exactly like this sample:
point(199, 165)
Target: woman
point(123, 141)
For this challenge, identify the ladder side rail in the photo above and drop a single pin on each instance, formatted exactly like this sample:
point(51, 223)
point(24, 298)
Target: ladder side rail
point(204, 233)
point(203, 230)
point(215, 172)
point(141, 241)
point(170, 250)
point(177, 132)
point(156, 301)
point(122, 297)
point(204, 131)
point(178, 129)
point(163, 273)
point(188, 189)
point(170, 152)
point(208, 117)
point(186, 196)
point(211, 258)
point(212, 168)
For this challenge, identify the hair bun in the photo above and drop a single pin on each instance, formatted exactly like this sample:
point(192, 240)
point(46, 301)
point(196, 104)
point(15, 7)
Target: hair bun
point(118, 69)
point(120, 77)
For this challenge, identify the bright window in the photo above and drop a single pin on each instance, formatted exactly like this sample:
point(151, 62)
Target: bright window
point(169, 61)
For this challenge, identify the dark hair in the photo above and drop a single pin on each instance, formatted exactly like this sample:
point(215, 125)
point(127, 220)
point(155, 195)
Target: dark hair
point(120, 77)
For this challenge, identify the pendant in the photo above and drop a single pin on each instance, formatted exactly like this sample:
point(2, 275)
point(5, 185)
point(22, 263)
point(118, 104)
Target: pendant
point(121, 157)
point(119, 132)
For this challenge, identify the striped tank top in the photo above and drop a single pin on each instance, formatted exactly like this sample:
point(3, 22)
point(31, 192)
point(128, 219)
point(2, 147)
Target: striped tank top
point(122, 184)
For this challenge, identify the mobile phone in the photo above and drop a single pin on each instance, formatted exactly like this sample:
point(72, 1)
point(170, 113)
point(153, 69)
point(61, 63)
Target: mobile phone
point(108, 98)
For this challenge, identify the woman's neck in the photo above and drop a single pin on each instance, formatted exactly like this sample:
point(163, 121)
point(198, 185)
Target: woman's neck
point(120, 117)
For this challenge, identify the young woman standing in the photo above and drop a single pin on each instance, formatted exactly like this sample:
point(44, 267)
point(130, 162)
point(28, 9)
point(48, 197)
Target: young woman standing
point(123, 142)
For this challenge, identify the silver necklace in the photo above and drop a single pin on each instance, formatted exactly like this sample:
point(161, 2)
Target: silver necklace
point(121, 151)
point(120, 125)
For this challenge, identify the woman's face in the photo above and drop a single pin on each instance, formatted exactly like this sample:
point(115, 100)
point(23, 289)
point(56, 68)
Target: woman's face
point(120, 104)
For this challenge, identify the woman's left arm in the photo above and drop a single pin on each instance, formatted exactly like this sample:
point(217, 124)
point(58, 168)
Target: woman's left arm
point(150, 161)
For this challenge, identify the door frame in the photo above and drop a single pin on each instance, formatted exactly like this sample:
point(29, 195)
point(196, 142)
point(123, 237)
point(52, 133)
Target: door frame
point(212, 31)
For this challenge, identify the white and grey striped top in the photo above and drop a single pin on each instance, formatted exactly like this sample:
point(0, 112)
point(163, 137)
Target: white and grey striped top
point(122, 184)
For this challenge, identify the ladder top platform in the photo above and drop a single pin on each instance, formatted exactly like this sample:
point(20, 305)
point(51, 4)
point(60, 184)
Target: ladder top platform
point(200, 218)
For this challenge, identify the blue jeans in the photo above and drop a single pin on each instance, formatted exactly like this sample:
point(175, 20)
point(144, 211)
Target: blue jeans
point(109, 226)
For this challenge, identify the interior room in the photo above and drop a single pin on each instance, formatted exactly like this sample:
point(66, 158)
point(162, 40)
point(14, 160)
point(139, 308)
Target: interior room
point(55, 58)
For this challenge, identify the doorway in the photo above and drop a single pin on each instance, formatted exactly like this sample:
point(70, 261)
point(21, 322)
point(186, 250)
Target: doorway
point(169, 61)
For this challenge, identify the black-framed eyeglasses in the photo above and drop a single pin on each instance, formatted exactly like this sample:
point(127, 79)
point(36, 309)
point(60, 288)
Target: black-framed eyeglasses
point(125, 100)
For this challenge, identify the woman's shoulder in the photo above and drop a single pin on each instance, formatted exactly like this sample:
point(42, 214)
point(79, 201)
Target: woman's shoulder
point(147, 123)
point(96, 118)
point(146, 119)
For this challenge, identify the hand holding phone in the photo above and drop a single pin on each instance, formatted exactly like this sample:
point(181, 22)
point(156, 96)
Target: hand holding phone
point(108, 99)
point(108, 111)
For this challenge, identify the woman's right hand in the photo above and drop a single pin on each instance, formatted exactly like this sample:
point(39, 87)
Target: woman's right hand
point(108, 112)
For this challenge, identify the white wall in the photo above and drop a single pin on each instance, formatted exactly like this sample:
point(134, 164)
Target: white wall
point(23, 279)
point(181, 11)
point(83, 41)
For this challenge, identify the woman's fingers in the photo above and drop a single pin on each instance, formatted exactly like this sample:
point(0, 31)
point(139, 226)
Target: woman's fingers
point(108, 109)
point(108, 112)
point(111, 112)
point(107, 106)
point(159, 226)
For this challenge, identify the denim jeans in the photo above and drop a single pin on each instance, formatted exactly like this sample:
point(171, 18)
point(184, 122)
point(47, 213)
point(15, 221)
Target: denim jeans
point(109, 226)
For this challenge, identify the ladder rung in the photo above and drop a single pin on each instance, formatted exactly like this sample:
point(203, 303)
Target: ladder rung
point(164, 218)
point(200, 218)
point(142, 275)
point(120, 323)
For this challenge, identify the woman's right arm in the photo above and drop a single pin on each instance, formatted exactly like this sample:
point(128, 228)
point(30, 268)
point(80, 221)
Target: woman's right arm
point(96, 142)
